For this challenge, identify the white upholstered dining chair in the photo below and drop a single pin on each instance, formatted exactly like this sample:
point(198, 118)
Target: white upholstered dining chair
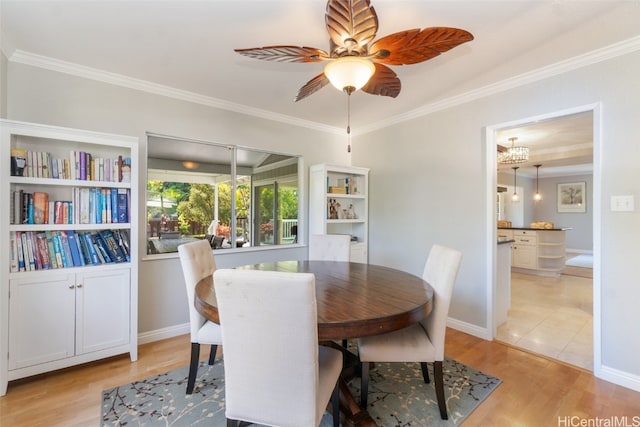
point(197, 262)
point(424, 341)
point(275, 372)
point(329, 247)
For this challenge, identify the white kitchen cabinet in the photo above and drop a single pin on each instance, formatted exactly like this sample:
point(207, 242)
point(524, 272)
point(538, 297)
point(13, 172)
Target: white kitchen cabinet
point(540, 252)
point(524, 249)
point(338, 204)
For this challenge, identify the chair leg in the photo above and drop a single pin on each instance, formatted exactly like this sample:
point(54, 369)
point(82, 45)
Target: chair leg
point(232, 423)
point(335, 404)
point(364, 387)
point(193, 366)
point(425, 372)
point(439, 383)
point(212, 354)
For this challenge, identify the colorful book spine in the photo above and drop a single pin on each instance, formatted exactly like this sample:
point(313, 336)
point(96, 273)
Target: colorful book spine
point(52, 253)
point(91, 249)
point(112, 247)
point(40, 207)
point(57, 248)
point(43, 251)
point(13, 265)
point(72, 238)
point(123, 206)
point(101, 245)
point(66, 249)
point(114, 204)
point(21, 266)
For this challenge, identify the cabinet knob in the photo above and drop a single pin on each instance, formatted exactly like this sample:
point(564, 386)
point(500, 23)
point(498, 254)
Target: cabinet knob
point(79, 285)
point(71, 286)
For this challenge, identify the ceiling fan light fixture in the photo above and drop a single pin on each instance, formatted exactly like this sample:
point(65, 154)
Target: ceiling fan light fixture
point(349, 72)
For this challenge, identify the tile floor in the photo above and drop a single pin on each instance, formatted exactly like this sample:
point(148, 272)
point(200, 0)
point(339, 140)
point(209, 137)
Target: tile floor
point(552, 316)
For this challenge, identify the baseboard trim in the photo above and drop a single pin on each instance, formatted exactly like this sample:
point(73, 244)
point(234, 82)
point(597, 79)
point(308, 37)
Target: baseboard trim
point(475, 330)
point(624, 379)
point(164, 333)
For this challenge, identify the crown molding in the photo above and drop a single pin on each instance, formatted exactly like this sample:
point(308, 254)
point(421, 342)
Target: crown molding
point(593, 57)
point(599, 55)
point(40, 61)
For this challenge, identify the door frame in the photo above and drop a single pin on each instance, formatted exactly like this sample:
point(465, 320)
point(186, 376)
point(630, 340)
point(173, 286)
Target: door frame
point(491, 183)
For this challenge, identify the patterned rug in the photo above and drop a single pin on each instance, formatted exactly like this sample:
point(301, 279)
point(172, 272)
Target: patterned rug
point(397, 397)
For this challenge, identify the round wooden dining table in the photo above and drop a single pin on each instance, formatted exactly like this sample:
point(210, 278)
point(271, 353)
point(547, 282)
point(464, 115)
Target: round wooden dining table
point(353, 300)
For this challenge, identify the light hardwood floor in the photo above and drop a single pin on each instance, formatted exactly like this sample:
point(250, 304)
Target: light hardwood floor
point(535, 390)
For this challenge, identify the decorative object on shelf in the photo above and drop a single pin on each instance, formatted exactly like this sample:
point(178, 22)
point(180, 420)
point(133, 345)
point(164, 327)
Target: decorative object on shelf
point(572, 197)
point(18, 161)
point(537, 196)
point(334, 209)
point(515, 196)
point(541, 225)
point(513, 154)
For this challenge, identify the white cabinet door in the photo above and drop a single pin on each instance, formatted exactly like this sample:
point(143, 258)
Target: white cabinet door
point(358, 253)
point(42, 318)
point(525, 256)
point(102, 309)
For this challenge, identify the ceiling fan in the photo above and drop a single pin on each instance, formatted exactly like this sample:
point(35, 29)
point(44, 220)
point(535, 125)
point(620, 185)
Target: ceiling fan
point(352, 27)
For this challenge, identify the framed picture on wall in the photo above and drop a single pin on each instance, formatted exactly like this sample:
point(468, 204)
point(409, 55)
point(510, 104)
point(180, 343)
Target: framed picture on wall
point(572, 197)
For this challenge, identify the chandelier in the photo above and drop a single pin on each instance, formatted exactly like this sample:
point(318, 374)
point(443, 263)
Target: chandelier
point(513, 154)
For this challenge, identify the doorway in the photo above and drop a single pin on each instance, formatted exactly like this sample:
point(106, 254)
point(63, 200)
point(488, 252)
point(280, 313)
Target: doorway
point(565, 288)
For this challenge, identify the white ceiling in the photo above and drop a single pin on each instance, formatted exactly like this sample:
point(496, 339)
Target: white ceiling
point(188, 45)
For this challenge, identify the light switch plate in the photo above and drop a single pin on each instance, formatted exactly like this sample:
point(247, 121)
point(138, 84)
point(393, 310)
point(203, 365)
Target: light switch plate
point(622, 204)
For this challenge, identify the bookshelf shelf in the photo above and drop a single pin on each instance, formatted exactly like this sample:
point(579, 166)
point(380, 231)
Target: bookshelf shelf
point(68, 262)
point(67, 182)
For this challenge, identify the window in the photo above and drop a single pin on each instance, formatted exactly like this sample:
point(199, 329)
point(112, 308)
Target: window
point(235, 197)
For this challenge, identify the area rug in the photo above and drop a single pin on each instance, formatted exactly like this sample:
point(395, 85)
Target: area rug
point(583, 260)
point(397, 397)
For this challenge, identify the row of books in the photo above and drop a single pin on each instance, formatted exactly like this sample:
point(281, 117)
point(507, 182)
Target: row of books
point(347, 185)
point(80, 165)
point(89, 206)
point(46, 250)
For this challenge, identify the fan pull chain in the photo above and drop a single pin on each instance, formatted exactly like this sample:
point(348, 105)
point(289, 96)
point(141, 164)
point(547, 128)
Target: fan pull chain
point(348, 121)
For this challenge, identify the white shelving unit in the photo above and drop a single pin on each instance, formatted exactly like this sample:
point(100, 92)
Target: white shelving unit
point(52, 318)
point(338, 204)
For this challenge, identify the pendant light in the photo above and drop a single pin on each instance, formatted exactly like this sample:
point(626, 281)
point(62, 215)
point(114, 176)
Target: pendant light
point(515, 197)
point(537, 197)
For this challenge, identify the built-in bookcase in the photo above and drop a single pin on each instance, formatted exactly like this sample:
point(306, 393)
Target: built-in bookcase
point(68, 257)
point(338, 204)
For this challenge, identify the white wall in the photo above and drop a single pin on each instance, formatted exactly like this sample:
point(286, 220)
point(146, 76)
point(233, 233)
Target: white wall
point(3, 85)
point(437, 192)
point(428, 179)
point(580, 237)
point(41, 96)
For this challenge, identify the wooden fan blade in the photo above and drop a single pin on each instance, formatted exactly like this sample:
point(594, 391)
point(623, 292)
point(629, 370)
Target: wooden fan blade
point(384, 82)
point(414, 46)
point(312, 86)
point(352, 25)
point(285, 53)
